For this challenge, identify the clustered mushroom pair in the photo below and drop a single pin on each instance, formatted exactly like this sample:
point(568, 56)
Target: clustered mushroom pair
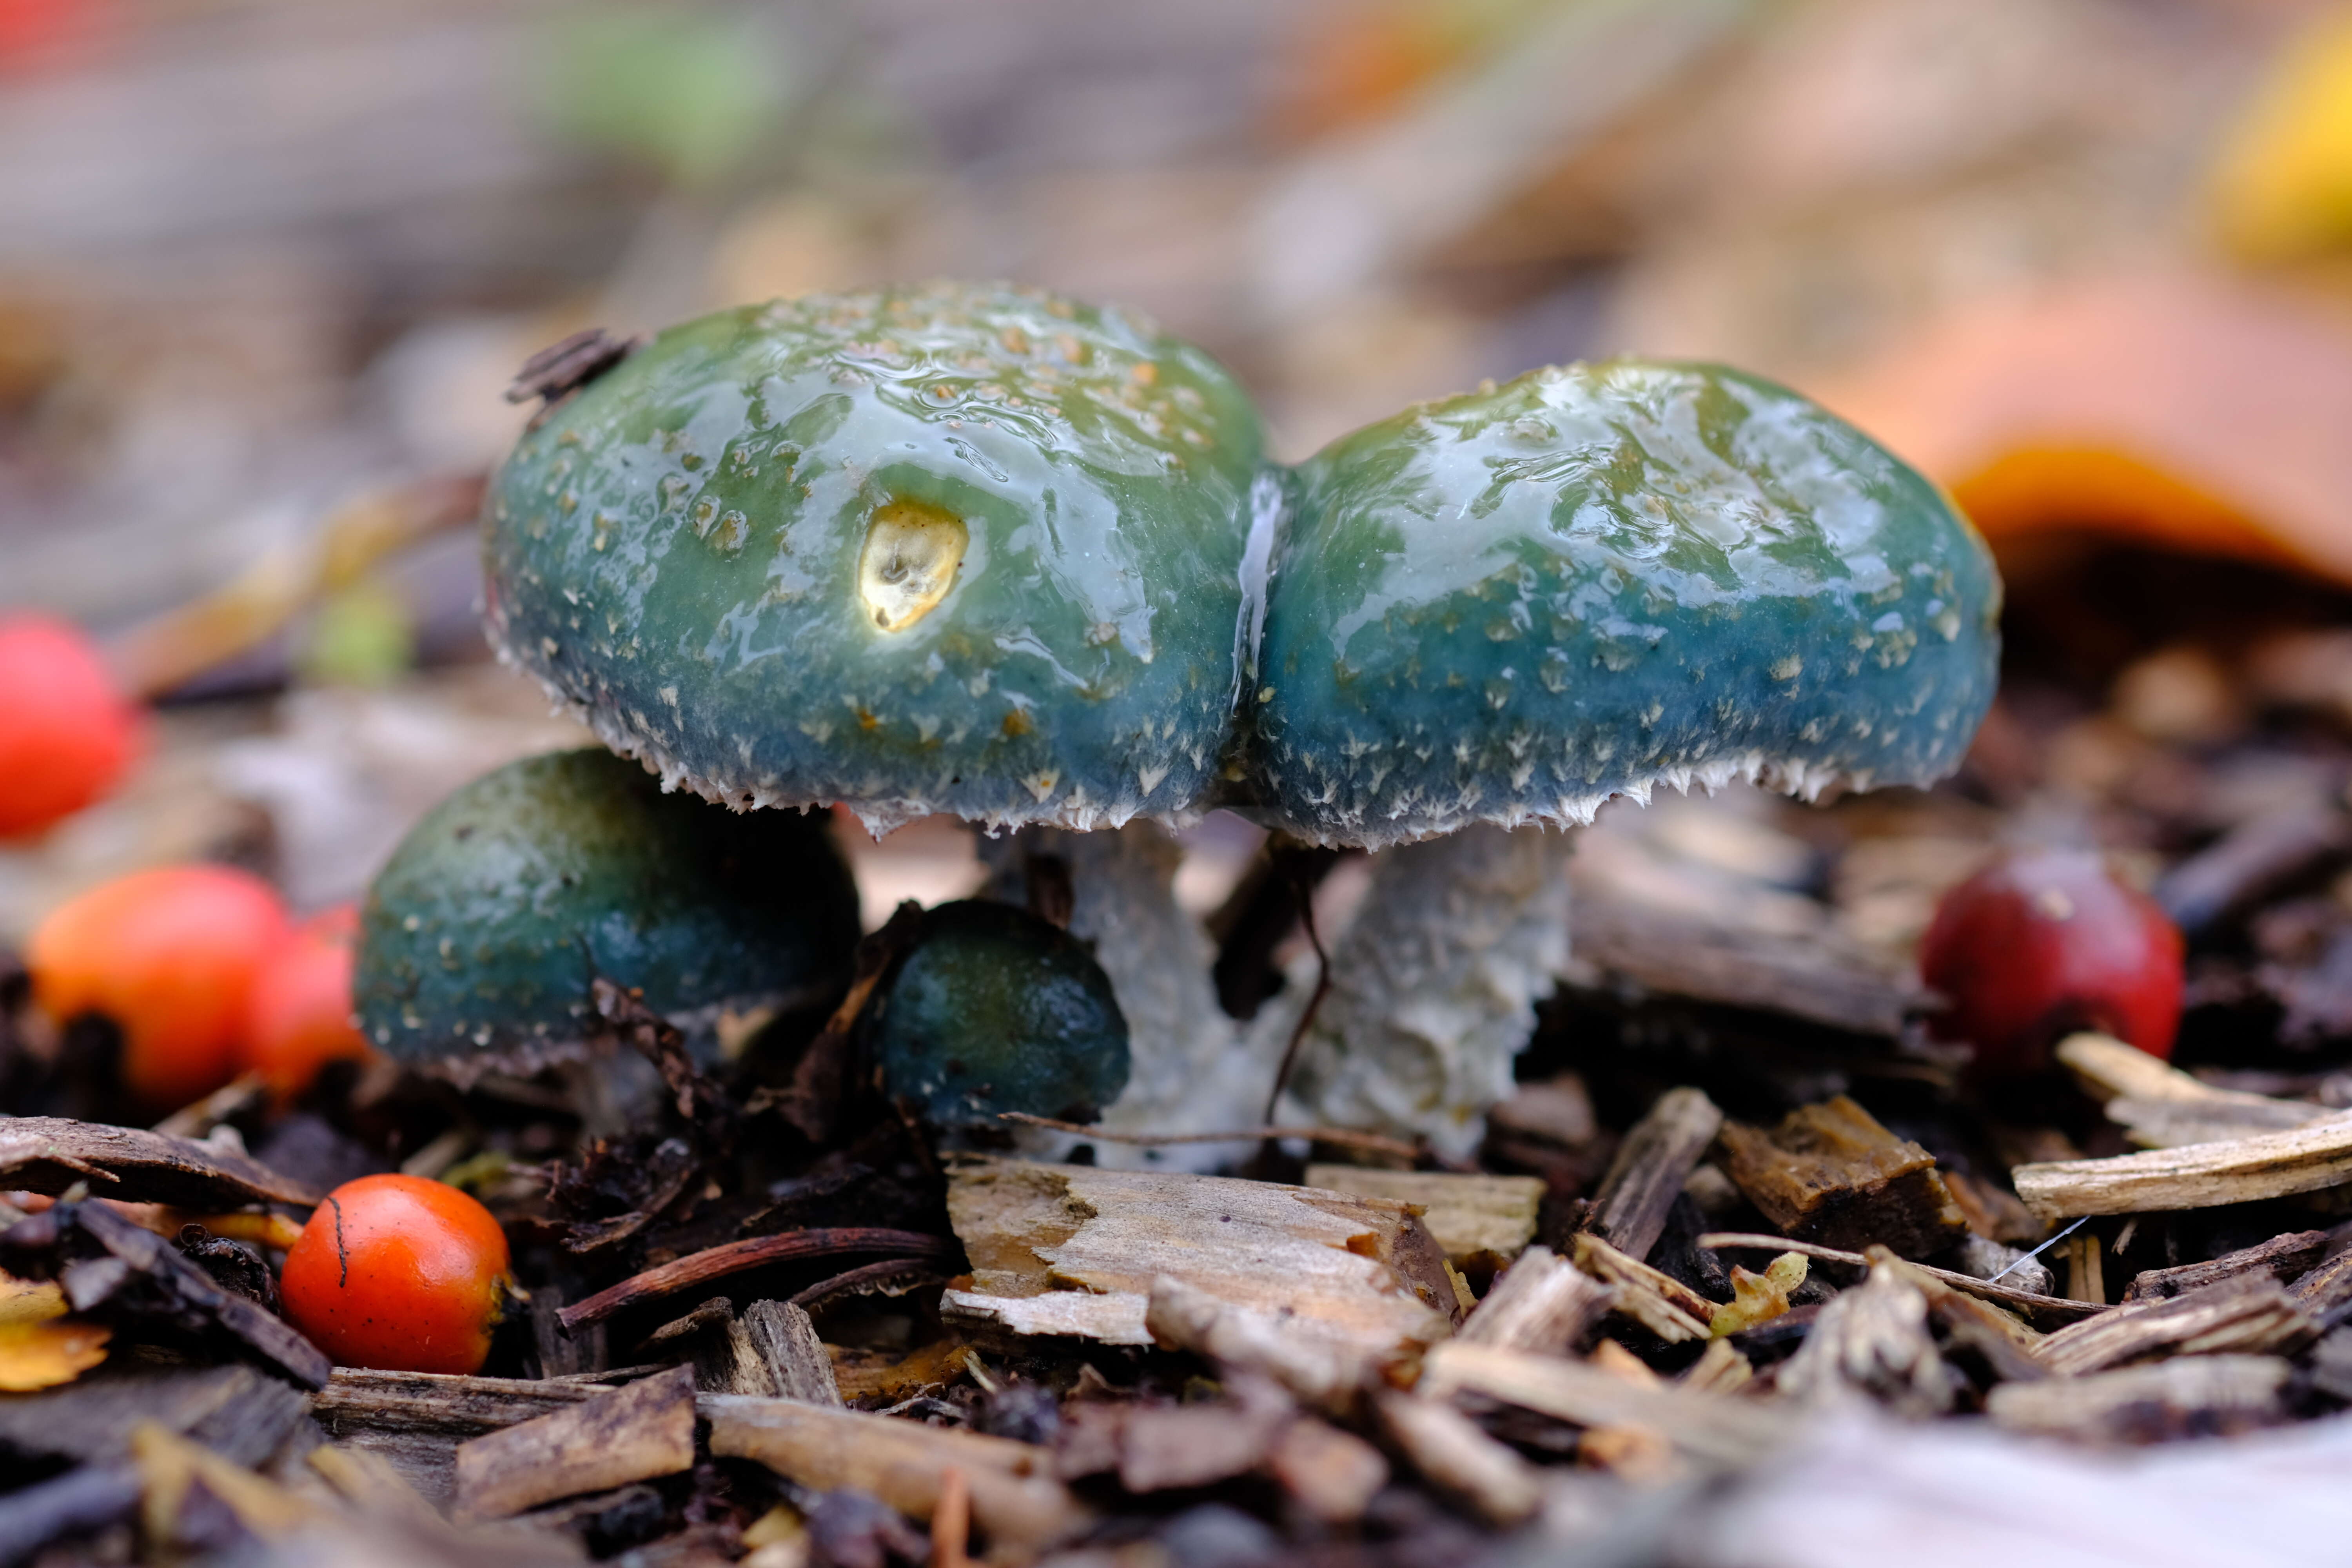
point(991, 553)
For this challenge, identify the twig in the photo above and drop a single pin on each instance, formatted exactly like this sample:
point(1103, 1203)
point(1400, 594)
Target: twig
point(951, 1521)
point(171, 648)
point(913, 1270)
point(718, 1262)
point(821, 1080)
point(2023, 1302)
point(1339, 1137)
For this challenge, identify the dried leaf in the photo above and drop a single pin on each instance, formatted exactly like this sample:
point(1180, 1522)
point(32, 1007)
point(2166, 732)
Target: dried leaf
point(40, 1347)
point(2144, 407)
point(50, 1153)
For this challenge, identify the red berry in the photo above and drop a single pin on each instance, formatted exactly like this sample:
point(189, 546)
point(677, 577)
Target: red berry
point(2041, 944)
point(299, 1017)
point(67, 733)
point(400, 1273)
point(170, 956)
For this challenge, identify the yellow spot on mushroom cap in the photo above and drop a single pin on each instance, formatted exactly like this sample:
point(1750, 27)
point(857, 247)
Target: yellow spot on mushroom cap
point(912, 553)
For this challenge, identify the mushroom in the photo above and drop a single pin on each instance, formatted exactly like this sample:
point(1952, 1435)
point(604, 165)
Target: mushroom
point(993, 1009)
point(481, 935)
point(951, 549)
point(1490, 614)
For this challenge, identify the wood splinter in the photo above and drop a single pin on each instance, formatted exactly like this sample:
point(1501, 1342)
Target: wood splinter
point(631, 1433)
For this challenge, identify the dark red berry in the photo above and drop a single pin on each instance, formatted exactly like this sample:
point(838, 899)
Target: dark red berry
point(2041, 944)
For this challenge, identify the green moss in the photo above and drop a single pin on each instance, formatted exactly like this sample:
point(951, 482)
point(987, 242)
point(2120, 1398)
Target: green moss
point(678, 551)
point(996, 1010)
point(1512, 604)
point(486, 926)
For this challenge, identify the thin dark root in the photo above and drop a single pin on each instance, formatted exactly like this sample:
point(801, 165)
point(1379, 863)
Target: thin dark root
point(1306, 896)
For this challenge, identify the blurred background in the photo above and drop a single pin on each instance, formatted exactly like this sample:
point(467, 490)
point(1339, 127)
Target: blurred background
point(266, 266)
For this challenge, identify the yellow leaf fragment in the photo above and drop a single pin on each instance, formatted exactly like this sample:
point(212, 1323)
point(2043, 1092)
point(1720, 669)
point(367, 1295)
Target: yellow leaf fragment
point(1759, 1297)
point(40, 1347)
point(2283, 187)
point(168, 1465)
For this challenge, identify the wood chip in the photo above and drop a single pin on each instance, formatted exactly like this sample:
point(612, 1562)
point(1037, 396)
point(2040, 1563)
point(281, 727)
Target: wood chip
point(1720, 1369)
point(1993, 1212)
point(1326, 1375)
point(2249, 859)
point(624, 1435)
point(727, 1362)
point(1541, 1302)
point(371, 1483)
point(2282, 1257)
point(237, 1410)
point(1873, 1340)
point(1014, 1497)
point(2331, 1364)
point(786, 1343)
point(1164, 1448)
point(414, 1421)
point(2005, 1341)
point(1830, 1173)
point(1332, 1474)
point(2165, 1108)
point(1070, 1249)
point(1704, 1427)
point(1480, 1220)
point(2085, 1268)
point(2188, 1396)
point(1656, 1158)
point(50, 1153)
point(2327, 1288)
point(1456, 1455)
point(1559, 1110)
point(1812, 977)
point(2199, 1176)
point(1659, 1302)
point(2248, 1315)
point(357, 1398)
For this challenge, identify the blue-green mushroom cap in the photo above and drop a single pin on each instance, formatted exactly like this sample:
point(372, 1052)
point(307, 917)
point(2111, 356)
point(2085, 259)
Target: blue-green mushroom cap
point(486, 928)
point(996, 1010)
point(946, 549)
point(1510, 606)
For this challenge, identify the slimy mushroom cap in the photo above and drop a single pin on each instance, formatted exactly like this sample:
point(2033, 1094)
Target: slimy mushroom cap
point(1510, 606)
point(486, 928)
point(995, 1010)
point(955, 548)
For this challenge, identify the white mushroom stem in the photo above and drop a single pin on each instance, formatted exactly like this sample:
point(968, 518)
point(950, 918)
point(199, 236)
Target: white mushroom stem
point(1434, 988)
point(1191, 1068)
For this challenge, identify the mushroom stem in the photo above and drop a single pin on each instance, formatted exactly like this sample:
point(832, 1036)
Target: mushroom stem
point(1192, 1069)
point(1434, 987)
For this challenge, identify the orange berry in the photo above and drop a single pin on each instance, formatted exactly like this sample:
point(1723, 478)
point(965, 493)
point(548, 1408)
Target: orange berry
point(66, 733)
point(170, 955)
point(400, 1273)
point(299, 1017)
